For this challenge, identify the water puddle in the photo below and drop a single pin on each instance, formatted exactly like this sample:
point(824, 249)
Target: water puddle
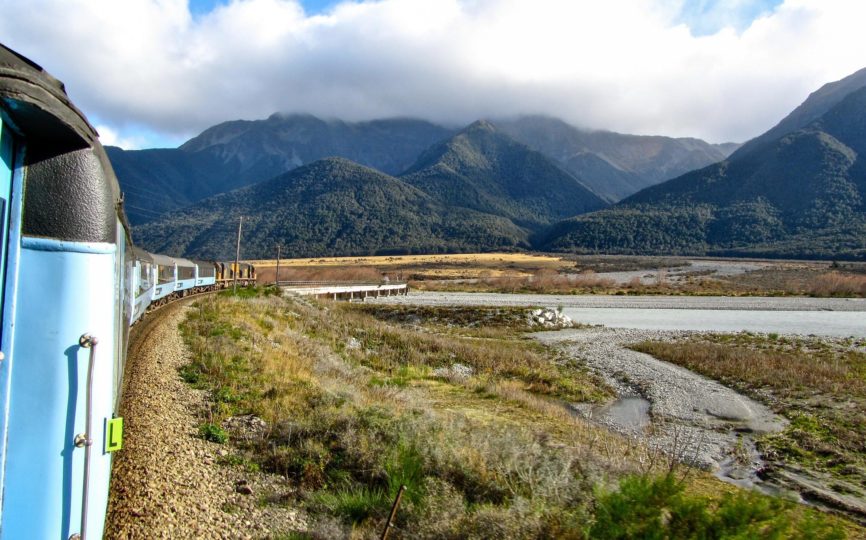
point(628, 413)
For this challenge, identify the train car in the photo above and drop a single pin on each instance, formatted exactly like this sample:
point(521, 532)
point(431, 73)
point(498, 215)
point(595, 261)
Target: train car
point(166, 276)
point(221, 275)
point(142, 282)
point(229, 273)
point(245, 272)
point(65, 312)
point(186, 271)
point(205, 274)
point(71, 284)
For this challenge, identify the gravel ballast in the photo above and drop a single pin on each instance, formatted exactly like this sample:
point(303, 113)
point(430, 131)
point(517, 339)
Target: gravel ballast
point(167, 482)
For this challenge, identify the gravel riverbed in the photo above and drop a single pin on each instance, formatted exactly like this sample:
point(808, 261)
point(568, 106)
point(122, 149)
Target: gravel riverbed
point(689, 416)
point(670, 408)
point(167, 482)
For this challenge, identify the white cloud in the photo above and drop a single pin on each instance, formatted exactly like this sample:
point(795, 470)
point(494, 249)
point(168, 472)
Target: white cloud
point(627, 65)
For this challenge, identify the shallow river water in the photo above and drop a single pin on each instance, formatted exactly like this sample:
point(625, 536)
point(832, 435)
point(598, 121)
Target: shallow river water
point(833, 317)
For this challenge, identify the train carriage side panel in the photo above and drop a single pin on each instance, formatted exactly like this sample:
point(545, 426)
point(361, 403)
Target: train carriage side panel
point(166, 276)
point(44, 468)
point(185, 275)
point(205, 273)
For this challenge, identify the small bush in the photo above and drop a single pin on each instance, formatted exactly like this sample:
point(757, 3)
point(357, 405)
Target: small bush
point(646, 507)
point(191, 374)
point(405, 467)
point(213, 433)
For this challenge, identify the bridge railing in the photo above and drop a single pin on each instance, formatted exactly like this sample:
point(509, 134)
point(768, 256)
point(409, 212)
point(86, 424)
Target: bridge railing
point(283, 283)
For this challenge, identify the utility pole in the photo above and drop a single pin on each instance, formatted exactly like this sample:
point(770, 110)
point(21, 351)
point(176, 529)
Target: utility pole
point(238, 257)
point(277, 279)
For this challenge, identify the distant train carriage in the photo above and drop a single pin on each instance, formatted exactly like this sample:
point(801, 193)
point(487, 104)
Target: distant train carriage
point(221, 275)
point(205, 274)
point(247, 272)
point(166, 276)
point(185, 275)
point(227, 273)
point(143, 282)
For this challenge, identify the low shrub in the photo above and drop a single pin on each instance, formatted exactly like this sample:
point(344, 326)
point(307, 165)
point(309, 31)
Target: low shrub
point(647, 507)
point(213, 433)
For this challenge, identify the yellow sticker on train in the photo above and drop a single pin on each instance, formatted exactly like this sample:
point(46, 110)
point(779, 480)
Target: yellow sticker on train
point(113, 434)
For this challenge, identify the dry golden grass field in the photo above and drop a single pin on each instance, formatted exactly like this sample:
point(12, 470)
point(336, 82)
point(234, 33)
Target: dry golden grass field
point(584, 274)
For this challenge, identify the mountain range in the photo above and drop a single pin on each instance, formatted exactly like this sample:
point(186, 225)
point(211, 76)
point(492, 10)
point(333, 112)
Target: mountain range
point(240, 153)
point(797, 191)
point(403, 186)
point(477, 190)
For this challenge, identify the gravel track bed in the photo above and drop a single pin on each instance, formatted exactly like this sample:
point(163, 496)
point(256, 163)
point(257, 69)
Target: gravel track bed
point(167, 482)
point(640, 302)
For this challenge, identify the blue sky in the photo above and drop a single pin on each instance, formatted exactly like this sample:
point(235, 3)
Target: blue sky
point(705, 17)
point(311, 7)
point(151, 73)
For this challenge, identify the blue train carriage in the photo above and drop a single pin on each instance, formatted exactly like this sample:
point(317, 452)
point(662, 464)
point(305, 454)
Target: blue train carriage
point(64, 313)
point(205, 275)
point(186, 278)
point(142, 282)
point(166, 278)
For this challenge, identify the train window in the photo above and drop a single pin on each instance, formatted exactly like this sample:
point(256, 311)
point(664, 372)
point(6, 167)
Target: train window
point(165, 274)
point(185, 272)
point(205, 270)
point(144, 280)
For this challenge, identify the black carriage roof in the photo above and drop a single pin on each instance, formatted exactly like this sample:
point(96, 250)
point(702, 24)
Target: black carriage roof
point(38, 104)
point(72, 193)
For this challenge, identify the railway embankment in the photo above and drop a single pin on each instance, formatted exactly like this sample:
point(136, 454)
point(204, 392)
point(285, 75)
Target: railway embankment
point(168, 482)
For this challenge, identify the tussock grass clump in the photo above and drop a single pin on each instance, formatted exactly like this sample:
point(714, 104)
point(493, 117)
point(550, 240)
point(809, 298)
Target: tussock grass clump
point(837, 284)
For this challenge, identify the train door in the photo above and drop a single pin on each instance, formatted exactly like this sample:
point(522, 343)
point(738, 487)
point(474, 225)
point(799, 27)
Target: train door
point(6, 168)
point(10, 212)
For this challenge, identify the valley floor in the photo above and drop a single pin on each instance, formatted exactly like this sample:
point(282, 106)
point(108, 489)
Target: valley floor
point(290, 418)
